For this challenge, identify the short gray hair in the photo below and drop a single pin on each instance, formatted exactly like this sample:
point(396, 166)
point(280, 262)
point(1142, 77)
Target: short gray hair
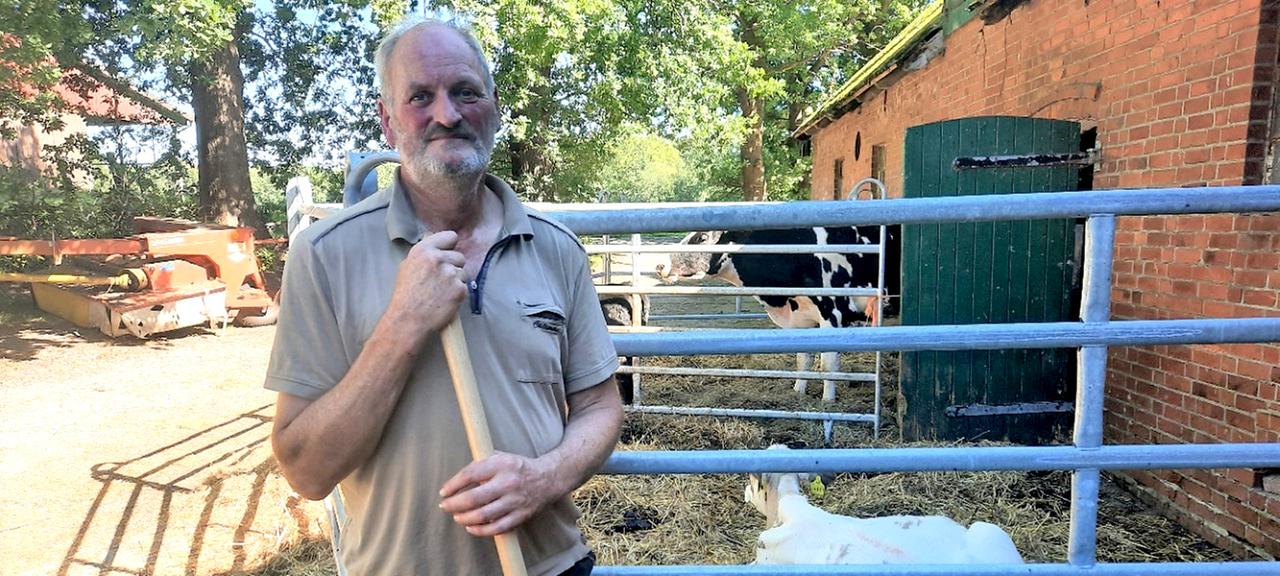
point(382, 57)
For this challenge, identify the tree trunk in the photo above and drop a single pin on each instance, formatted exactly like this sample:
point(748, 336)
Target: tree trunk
point(752, 106)
point(217, 97)
point(752, 150)
point(531, 168)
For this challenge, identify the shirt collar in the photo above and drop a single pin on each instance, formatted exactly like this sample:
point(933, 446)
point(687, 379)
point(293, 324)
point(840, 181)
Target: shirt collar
point(403, 223)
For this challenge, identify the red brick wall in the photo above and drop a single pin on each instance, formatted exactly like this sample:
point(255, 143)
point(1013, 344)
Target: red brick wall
point(1181, 96)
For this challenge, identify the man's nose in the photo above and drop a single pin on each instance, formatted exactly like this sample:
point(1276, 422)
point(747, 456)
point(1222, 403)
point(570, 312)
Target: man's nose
point(444, 112)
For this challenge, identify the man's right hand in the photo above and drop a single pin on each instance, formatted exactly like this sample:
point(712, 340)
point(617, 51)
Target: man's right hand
point(430, 285)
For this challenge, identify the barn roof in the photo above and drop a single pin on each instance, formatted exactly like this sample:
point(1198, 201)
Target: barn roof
point(847, 96)
point(95, 95)
point(105, 100)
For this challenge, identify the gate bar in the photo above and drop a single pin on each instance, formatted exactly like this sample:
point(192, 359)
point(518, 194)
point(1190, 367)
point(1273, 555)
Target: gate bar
point(1091, 377)
point(1117, 569)
point(971, 459)
point(732, 249)
point(955, 337)
point(753, 413)
point(1035, 206)
point(738, 291)
point(746, 373)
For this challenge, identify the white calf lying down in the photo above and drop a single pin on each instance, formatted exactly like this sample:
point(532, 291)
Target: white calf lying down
point(801, 533)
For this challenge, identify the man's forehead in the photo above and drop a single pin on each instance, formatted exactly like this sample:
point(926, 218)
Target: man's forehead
point(435, 45)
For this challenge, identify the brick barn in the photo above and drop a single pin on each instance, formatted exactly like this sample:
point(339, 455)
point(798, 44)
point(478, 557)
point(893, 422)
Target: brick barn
point(1170, 93)
point(91, 98)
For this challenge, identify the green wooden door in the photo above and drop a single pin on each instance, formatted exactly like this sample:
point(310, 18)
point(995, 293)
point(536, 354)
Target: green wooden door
point(989, 272)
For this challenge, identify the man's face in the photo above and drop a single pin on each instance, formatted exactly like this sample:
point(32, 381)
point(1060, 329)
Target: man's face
point(438, 113)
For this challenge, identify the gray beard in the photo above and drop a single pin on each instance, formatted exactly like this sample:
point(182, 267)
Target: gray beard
point(425, 167)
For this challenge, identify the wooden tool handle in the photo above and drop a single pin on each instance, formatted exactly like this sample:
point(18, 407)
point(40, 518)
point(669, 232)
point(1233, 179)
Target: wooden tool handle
point(477, 427)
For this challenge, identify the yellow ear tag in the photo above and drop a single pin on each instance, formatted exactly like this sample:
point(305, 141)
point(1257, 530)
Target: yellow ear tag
point(816, 488)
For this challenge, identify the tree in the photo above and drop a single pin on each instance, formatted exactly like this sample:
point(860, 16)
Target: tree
point(570, 74)
point(642, 167)
point(192, 50)
point(789, 54)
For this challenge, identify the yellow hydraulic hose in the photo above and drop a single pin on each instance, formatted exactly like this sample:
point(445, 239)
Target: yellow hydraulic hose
point(128, 280)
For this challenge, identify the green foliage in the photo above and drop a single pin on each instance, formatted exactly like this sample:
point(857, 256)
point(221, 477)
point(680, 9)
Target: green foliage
point(166, 187)
point(269, 186)
point(30, 32)
point(570, 75)
point(573, 75)
point(787, 54)
point(95, 195)
point(615, 99)
point(311, 91)
point(642, 167)
point(34, 207)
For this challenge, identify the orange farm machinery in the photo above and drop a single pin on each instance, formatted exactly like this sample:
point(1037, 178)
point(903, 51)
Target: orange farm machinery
point(172, 274)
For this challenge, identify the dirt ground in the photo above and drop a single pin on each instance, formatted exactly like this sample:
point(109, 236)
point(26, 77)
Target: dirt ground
point(138, 457)
point(152, 458)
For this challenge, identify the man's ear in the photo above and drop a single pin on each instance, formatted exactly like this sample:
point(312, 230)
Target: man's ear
point(497, 102)
point(384, 118)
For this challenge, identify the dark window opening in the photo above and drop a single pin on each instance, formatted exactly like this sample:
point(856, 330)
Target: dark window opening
point(857, 147)
point(1088, 141)
point(877, 162)
point(1084, 181)
point(838, 177)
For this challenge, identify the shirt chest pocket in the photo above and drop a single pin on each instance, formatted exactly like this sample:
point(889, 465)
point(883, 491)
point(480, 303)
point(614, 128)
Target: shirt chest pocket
point(538, 342)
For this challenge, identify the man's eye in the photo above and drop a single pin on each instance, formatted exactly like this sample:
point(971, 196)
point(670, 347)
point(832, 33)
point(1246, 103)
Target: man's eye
point(468, 95)
point(418, 97)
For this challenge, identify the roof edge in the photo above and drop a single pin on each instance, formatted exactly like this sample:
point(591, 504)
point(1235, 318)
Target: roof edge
point(929, 20)
point(126, 89)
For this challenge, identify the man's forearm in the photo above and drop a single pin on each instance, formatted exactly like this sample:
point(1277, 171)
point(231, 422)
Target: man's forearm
point(595, 417)
point(322, 441)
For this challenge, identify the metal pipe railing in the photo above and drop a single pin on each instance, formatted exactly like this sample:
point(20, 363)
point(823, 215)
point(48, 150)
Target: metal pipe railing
point(1085, 458)
point(991, 208)
point(953, 337)
point(1091, 376)
point(833, 460)
point(733, 249)
point(735, 290)
point(753, 413)
point(1118, 569)
point(745, 373)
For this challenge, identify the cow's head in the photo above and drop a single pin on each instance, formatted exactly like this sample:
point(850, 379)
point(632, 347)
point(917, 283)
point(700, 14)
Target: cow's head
point(691, 266)
point(763, 491)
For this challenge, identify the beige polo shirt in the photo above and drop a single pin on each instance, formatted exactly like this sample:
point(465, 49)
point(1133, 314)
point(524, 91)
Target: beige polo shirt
point(535, 333)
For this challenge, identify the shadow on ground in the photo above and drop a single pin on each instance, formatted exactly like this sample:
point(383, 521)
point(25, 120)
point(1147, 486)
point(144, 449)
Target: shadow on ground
point(157, 512)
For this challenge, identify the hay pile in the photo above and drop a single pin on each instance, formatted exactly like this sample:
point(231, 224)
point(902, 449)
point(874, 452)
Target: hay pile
point(701, 519)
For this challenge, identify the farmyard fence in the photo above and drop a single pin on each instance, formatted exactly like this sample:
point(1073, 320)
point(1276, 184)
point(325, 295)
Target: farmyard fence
point(1092, 336)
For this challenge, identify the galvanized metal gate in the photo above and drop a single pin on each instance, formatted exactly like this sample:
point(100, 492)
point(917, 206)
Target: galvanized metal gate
point(980, 272)
point(1091, 337)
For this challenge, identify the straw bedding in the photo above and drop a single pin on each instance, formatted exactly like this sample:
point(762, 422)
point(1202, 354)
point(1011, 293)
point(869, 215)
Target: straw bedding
point(701, 519)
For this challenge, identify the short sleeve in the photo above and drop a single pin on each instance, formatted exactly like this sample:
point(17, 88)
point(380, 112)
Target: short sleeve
point(308, 357)
point(591, 355)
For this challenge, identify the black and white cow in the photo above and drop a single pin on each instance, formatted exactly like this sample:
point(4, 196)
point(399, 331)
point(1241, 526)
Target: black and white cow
point(822, 270)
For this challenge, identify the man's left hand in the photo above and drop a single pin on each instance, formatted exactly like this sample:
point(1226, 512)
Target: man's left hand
point(497, 494)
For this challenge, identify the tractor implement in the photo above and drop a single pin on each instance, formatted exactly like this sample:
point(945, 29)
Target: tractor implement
point(172, 274)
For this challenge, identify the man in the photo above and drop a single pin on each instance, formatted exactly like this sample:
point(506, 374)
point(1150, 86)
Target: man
point(365, 397)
